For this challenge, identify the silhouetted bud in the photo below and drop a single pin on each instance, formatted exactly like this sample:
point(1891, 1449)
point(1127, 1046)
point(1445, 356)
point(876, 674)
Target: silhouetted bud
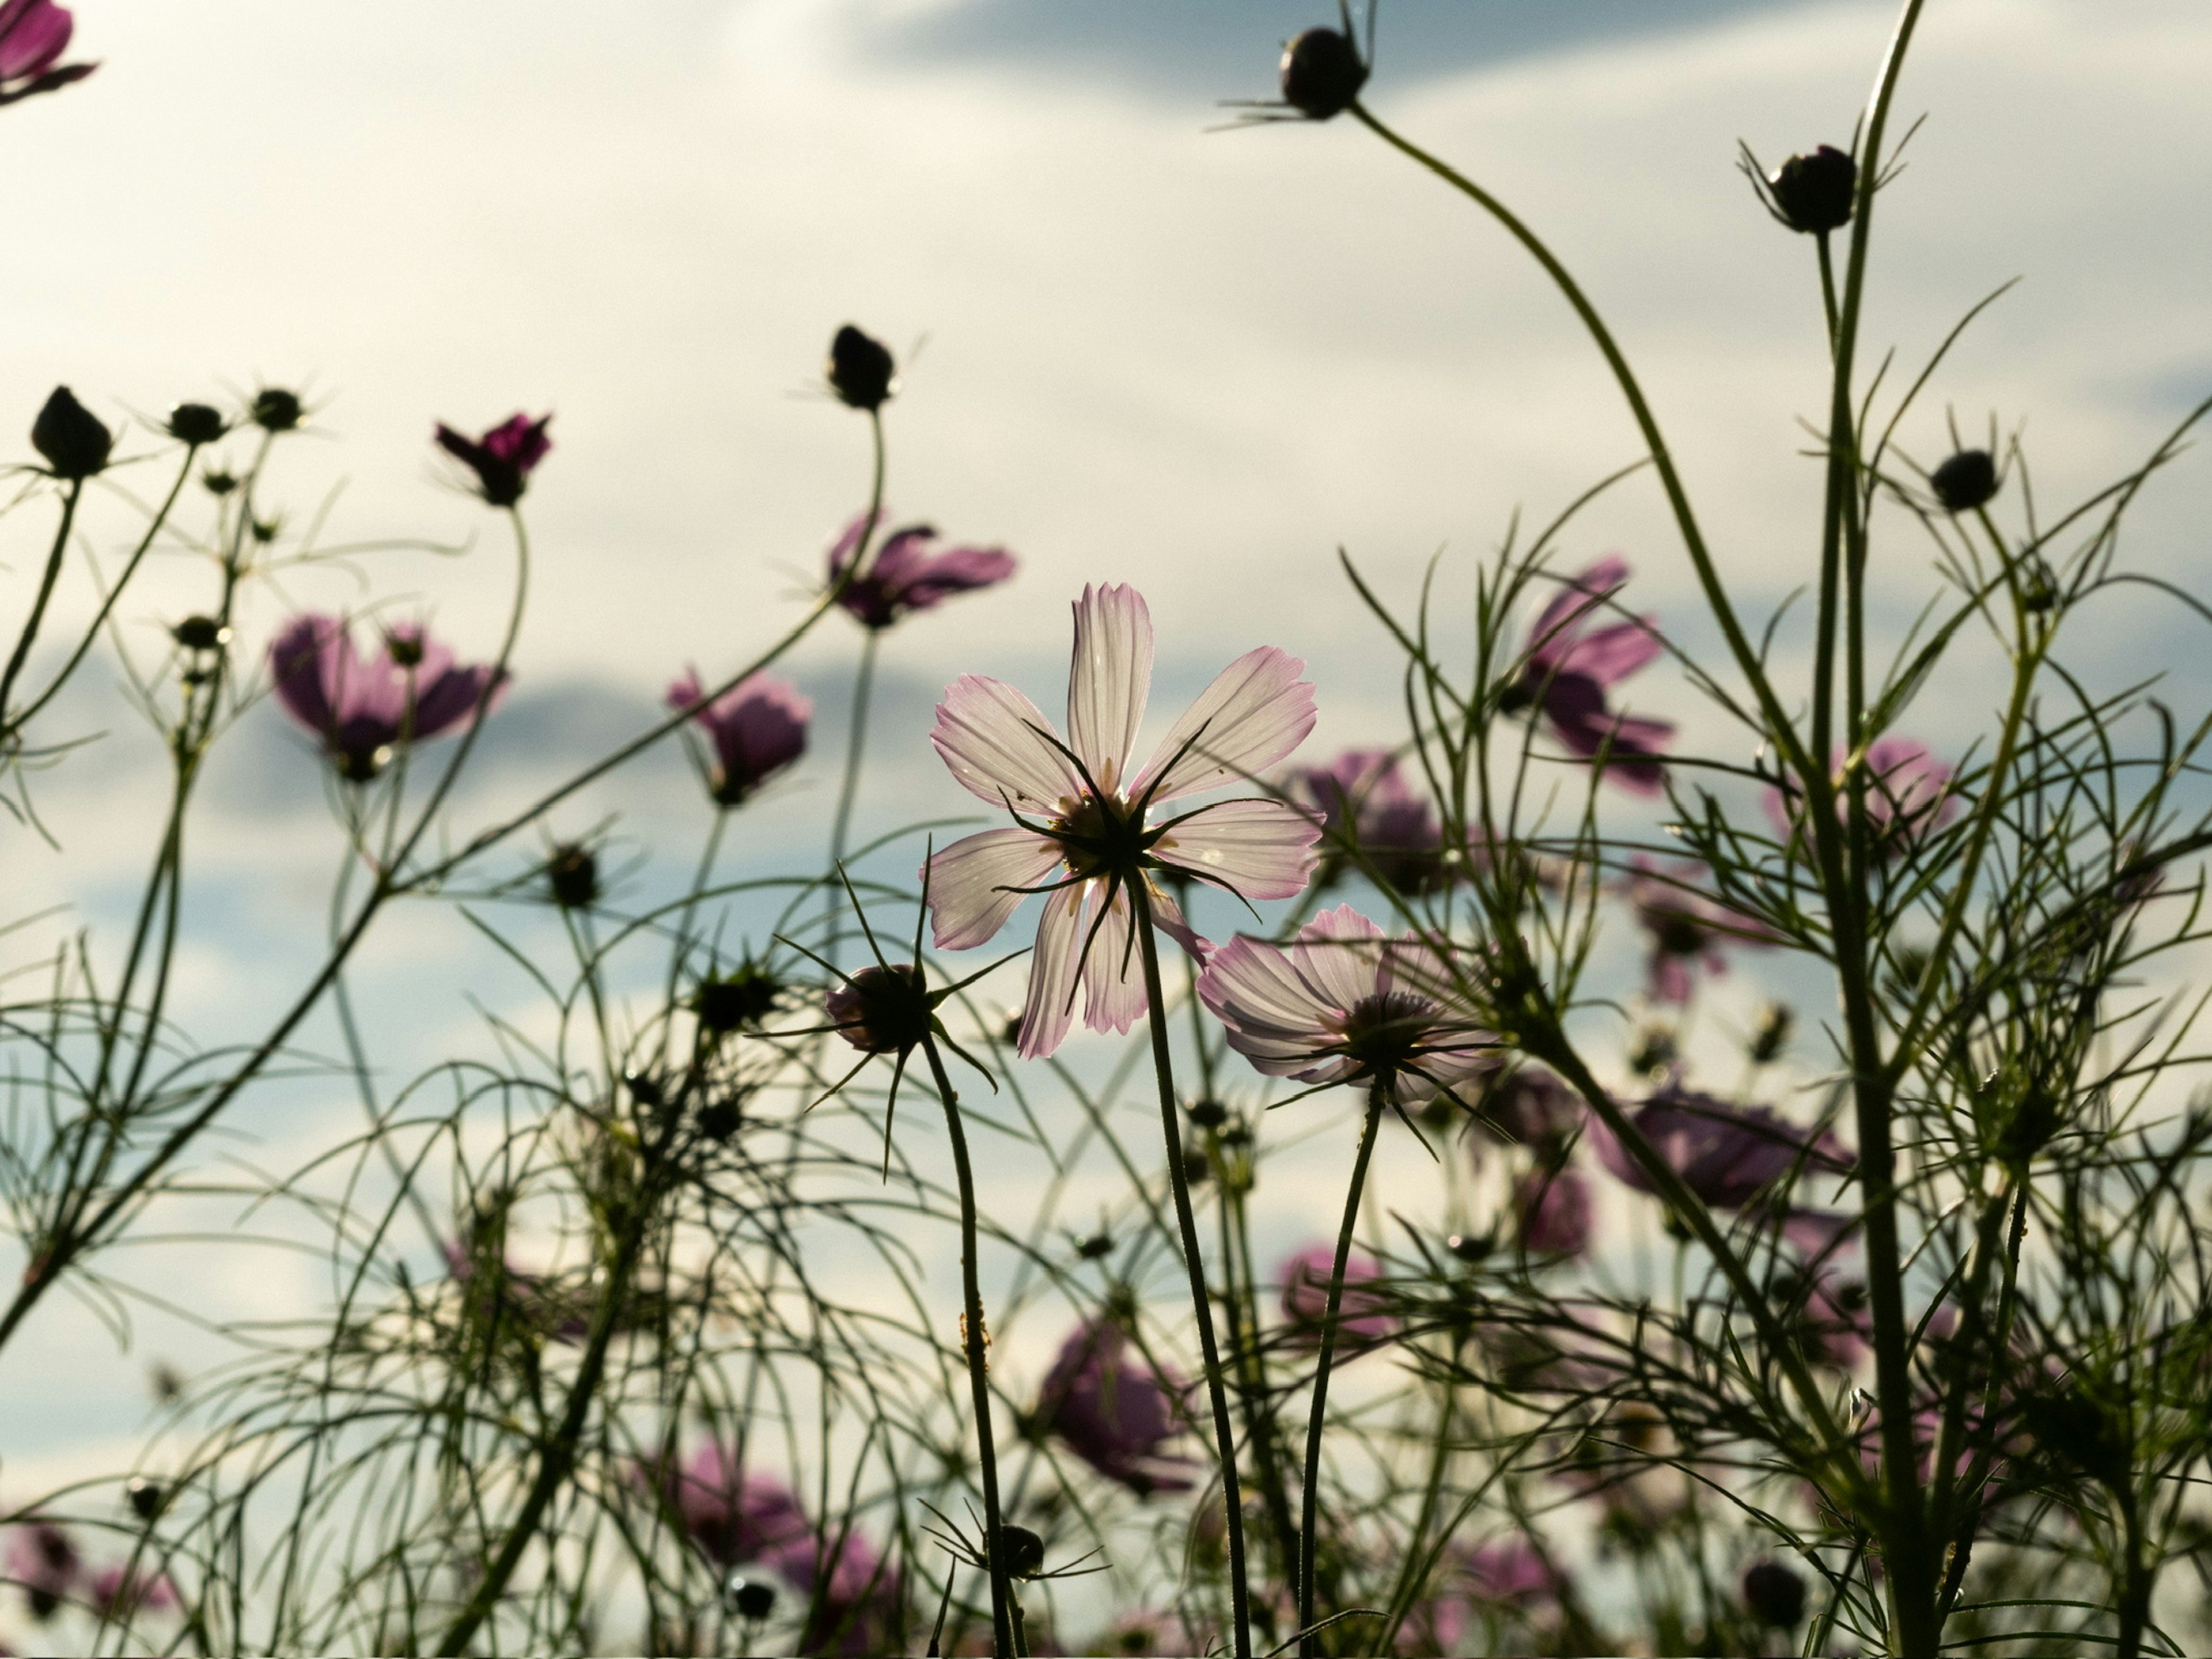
point(1096, 1245)
point(1965, 482)
point(645, 1089)
point(860, 370)
point(1022, 1550)
point(744, 998)
point(1470, 1247)
point(883, 1011)
point(404, 646)
point(1771, 1036)
point(753, 1598)
point(146, 1497)
point(218, 482)
point(1321, 74)
point(200, 634)
point(1208, 1114)
point(1814, 193)
point(1654, 1049)
point(1195, 1165)
point(573, 873)
point(266, 530)
point(75, 440)
point(276, 410)
point(1775, 1594)
point(719, 1119)
point(2028, 1131)
point(195, 424)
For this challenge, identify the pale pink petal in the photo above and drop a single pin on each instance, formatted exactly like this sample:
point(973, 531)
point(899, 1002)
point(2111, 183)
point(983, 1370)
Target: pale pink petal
point(1053, 966)
point(1558, 622)
point(1168, 917)
point(1113, 971)
point(1256, 711)
point(1109, 679)
point(1272, 1015)
point(1260, 849)
point(1611, 654)
point(1339, 954)
point(969, 900)
point(992, 737)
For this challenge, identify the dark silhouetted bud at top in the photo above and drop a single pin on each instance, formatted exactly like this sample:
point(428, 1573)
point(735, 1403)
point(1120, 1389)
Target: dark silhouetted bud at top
point(753, 1598)
point(646, 1089)
point(276, 410)
point(860, 370)
point(1321, 74)
point(1023, 1551)
point(200, 634)
point(1965, 482)
point(1814, 193)
point(883, 1011)
point(573, 873)
point(74, 439)
point(1771, 1036)
point(146, 1497)
point(1775, 1594)
point(196, 424)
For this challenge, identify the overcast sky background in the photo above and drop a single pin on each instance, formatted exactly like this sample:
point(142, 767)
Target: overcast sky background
point(1196, 361)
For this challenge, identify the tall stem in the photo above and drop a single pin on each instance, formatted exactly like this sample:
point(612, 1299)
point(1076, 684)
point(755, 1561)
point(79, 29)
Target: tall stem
point(973, 1339)
point(22, 650)
point(848, 789)
point(1225, 1435)
point(1309, 1515)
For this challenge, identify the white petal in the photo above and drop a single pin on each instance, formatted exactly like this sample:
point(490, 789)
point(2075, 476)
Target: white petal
point(1253, 989)
point(1256, 711)
point(1109, 679)
point(1260, 849)
point(1340, 955)
point(1168, 917)
point(991, 735)
point(968, 882)
point(1051, 1006)
point(1113, 971)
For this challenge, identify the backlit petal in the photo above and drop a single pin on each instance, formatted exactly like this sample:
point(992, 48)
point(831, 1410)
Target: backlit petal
point(1340, 957)
point(1109, 679)
point(1053, 966)
point(992, 737)
point(968, 881)
point(1113, 970)
point(1260, 849)
point(1254, 715)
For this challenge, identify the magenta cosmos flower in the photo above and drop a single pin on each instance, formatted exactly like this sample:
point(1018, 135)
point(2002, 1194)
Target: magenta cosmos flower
point(503, 458)
point(1727, 1155)
point(731, 1514)
point(1686, 928)
point(1368, 809)
point(410, 691)
point(33, 34)
point(1908, 795)
point(757, 727)
point(1083, 832)
point(1568, 666)
point(1552, 1209)
point(1114, 1410)
point(43, 1559)
point(1346, 1004)
point(1363, 1315)
point(120, 1592)
point(912, 571)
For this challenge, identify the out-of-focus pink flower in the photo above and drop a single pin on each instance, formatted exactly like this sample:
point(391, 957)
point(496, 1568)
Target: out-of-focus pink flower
point(1373, 821)
point(1148, 1630)
point(503, 458)
point(33, 34)
point(1686, 927)
point(1083, 829)
point(912, 571)
point(410, 691)
point(120, 1592)
point(1552, 1209)
point(732, 1514)
point(1835, 1324)
point(757, 727)
point(42, 1559)
point(1344, 1004)
point(1908, 795)
point(1362, 1316)
point(854, 1592)
point(1114, 1410)
point(529, 1296)
point(1567, 666)
point(1533, 1107)
point(1727, 1155)
point(1513, 1573)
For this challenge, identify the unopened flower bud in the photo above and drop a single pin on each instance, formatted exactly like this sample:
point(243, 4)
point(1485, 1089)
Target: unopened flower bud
point(75, 441)
point(744, 998)
point(1096, 1245)
point(860, 370)
point(276, 410)
point(1775, 1594)
point(218, 482)
point(645, 1089)
point(146, 1497)
point(195, 424)
point(1022, 1550)
point(200, 634)
point(1771, 1035)
point(573, 873)
point(404, 646)
point(1815, 192)
point(1208, 1114)
point(753, 1598)
point(1965, 482)
point(719, 1119)
point(883, 1011)
point(1321, 74)
point(1470, 1247)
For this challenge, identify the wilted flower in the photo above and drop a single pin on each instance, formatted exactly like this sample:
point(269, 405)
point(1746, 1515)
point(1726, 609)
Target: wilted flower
point(1907, 795)
point(1966, 481)
point(1686, 928)
point(1364, 1315)
point(1815, 193)
point(1088, 838)
point(1774, 1595)
point(1566, 670)
point(1322, 73)
point(75, 441)
point(911, 571)
point(1114, 1410)
point(757, 727)
point(1552, 1209)
point(503, 458)
point(1727, 1155)
point(1373, 821)
point(42, 1558)
point(120, 1591)
point(410, 691)
point(860, 370)
point(33, 34)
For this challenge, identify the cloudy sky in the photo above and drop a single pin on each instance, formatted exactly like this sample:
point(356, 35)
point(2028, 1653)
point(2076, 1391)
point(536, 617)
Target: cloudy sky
point(1137, 348)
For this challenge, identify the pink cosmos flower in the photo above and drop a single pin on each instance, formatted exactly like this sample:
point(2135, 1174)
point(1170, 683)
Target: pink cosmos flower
point(1553, 1208)
point(1366, 806)
point(42, 1558)
point(911, 571)
point(33, 34)
point(1533, 1107)
point(1908, 795)
point(757, 727)
point(1686, 927)
point(1346, 1004)
point(1082, 832)
point(855, 1595)
point(119, 1592)
point(1114, 1410)
point(1512, 1573)
point(412, 691)
point(1727, 1155)
point(1568, 666)
point(732, 1514)
point(503, 458)
point(1362, 1316)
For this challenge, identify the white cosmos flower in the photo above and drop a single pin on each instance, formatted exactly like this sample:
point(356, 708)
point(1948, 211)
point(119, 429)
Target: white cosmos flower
point(1084, 826)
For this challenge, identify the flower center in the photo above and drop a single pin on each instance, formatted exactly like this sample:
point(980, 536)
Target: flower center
point(1384, 1034)
point(1103, 834)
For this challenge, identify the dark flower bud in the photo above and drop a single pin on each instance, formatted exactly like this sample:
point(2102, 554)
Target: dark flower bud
point(645, 1089)
point(1321, 74)
point(573, 873)
point(75, 441)
point(1654, 1049)
point(1815, 192)
point(1208, 1114)
point(719, 1120)
point(744, 998)
point(1965, 482)
point(883, 1011)
point(276, 410)
point(1775, 1594)
point(753, 1598)
point(196, 424)
point(1096, 1245)
point(266, 530)
point(218, 482)
point(1470, 1247)
point(1771, 1036)
point(1022, 1550)
point(146, 1497)
point(404, 646)
point(2029, 1129)
point(860, 370)
point(1195, 1165)
point(200, 634)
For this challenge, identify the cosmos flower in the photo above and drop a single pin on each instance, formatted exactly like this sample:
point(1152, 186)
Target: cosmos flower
point(1362, 1314)
point(33, 34)
point(1509, 1572)
point(1727, 1155)
point(1083, 831)
point(503, 458)
point(1552, 1211)
point(1908, 795)
point(756, 727)
point(912, 571)
point(42, 1558)
point(1368, 809)
point(1533, 1107)
point(1567, 667)
point(1686, 927)
point(1114, 1410)
point(120, 1592)
point(410, 691)
point(731, 1514)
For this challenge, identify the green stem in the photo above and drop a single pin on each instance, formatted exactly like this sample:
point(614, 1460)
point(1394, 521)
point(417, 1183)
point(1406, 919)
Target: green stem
point(848, 787)
point(59, 552)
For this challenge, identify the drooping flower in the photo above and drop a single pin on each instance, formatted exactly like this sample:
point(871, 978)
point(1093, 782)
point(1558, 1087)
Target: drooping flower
point(1567, 666)
point(1346, 1004)
point(1908, 795)
point(120, 1592)
point(1362, 1314)
point(912, 571)
point(1373, 821)
point(1727, 1155)
point(1114, 1410)
point(1686, 927)
point(410, 691)
point(732, 1514)
point(1552, 1208)
point(1083, 833)
point(33, 34)
point(43, 1559)
point(757, 727)
point(503, 458)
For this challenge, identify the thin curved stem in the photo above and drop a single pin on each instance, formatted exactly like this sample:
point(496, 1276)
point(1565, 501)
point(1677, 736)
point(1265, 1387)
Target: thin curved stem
point(30, 634)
